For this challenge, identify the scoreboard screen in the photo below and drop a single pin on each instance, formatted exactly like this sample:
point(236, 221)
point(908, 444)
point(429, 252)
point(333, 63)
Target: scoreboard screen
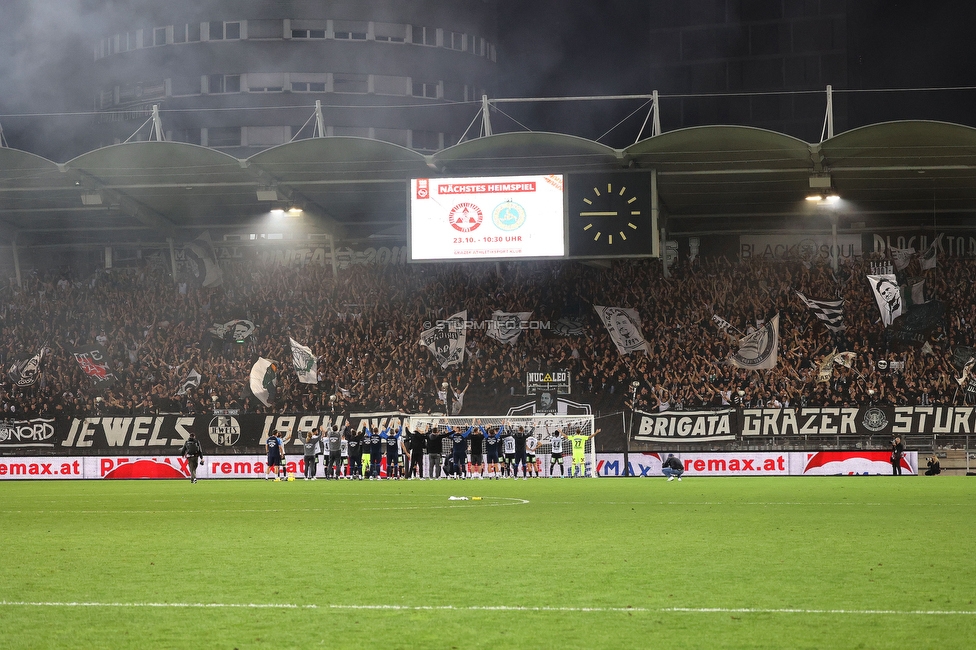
point(486, 218)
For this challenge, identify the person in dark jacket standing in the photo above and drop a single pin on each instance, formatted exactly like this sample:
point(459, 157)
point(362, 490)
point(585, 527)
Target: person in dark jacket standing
point(193, 454)
point(418, 443)
point(897, 451)
point(356, 441)
point(434, 451)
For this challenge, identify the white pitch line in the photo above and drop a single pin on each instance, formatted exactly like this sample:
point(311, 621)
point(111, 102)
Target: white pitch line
point(492, 502)
point(502, 608)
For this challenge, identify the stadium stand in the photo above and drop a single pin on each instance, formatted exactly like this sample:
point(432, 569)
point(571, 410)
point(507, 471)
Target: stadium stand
point(365, 323)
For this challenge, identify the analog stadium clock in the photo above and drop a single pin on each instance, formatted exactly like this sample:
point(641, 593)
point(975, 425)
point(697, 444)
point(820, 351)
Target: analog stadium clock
point(610, 215)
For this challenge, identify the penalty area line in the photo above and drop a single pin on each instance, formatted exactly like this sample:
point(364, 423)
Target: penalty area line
point(501, 608)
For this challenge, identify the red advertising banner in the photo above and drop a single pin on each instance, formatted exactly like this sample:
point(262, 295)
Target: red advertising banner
point(794, 463)
point(814, 463)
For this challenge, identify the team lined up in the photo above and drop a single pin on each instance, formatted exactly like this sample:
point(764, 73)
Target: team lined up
point(491, 452)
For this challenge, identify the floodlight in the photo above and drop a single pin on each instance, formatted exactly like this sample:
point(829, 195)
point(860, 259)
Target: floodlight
point(820, 182)
point(268, 194)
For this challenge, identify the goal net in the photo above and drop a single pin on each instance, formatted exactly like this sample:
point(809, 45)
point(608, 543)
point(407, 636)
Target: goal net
point(573, 429)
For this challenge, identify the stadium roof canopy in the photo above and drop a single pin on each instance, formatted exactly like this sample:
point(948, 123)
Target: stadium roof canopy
point(710, 179)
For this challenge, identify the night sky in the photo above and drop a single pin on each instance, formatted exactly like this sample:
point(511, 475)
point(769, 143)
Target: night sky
point(546, 48)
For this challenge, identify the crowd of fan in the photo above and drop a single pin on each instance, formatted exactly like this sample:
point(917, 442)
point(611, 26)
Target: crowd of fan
point(365, 323)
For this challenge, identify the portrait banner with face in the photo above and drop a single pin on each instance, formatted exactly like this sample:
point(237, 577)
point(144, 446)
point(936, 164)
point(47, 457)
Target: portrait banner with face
point(235, 330)
point(758, 350)
point(446, 339)
point(546, 403)
point(888, 296)
point(624, 327)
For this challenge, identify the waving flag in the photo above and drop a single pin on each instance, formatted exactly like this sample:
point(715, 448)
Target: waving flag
point(263, 380)
point(96, 364)
point(192, 381)
point(831, 312)
point(446, 339)
point(306, 364)
point(25, 373)
point(845, 359)
point(826, 370)
point(930, 256)
point(901, 257)
point(506, 327)
point(888, 296)
point(758, 350)
point(201, 260)
point(624, 327)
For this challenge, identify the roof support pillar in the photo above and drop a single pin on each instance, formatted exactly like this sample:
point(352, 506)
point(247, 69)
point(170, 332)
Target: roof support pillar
point(656, 123)
point(319, 120)
point(656, 236)
point(829, 117)
point(654, 117)
point(485, 117)
point(157, 124)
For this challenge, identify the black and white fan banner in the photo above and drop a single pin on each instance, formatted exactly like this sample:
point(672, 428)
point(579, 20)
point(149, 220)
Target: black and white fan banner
point(831, 312)
point(446, 339)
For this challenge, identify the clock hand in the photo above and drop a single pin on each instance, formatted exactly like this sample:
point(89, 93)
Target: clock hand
point(598, 214)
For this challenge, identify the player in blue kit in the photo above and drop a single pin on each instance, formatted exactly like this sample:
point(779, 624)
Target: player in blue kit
point(477, 439)
point(492, 444)
point(273, 447)
point(375, 445)
point(459, 450)
point(391, 442)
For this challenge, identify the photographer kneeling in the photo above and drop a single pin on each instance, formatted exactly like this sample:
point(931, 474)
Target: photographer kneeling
point(672, 468)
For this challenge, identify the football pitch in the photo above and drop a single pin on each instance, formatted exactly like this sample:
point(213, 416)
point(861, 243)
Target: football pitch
point(806, 562)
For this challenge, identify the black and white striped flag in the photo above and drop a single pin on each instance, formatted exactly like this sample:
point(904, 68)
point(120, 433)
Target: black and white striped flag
point(831, 312)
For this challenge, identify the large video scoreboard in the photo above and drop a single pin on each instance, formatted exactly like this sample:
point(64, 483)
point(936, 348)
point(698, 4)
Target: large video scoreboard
point(552, 216)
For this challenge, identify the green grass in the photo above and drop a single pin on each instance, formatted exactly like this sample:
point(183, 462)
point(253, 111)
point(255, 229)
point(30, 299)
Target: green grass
point(887, 552)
